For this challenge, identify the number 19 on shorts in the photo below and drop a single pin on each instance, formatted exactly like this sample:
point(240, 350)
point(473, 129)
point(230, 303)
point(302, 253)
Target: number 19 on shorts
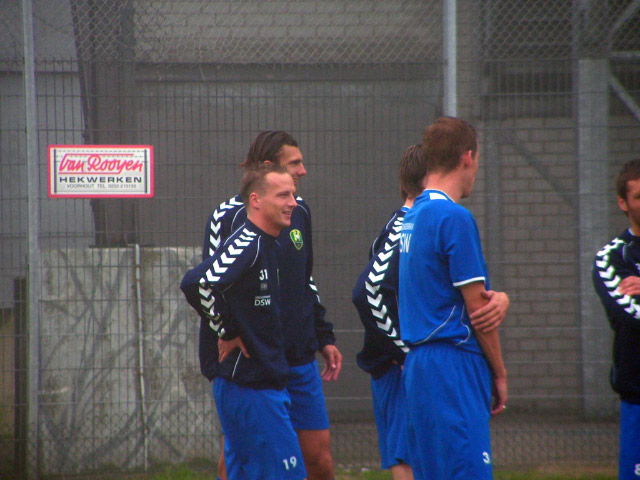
point(290, 463)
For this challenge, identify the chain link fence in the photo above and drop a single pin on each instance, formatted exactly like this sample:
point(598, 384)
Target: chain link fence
point(100, 371)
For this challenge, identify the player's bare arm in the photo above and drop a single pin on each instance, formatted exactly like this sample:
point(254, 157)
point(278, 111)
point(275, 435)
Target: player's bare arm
point(490, 344)
point(492, 314)
point(333, 363)
point(630, 286)
point(225, 347)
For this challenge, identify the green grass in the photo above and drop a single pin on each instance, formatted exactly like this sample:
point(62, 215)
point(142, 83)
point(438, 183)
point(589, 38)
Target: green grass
point(498, 475)
point(561, 474)
point(208, 472)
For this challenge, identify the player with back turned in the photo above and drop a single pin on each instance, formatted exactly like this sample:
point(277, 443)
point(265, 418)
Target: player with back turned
point(383, 353)
point(452, 365)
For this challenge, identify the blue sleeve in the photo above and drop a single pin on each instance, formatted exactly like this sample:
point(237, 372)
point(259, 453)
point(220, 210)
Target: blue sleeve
point(460, 244)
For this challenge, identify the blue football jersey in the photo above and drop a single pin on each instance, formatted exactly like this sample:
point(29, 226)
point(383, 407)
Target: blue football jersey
point(440, 251)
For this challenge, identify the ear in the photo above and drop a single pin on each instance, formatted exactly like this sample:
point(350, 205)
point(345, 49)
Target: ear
point(267, 162)
point(254, 201)
point(467, 158)
point(622, 203)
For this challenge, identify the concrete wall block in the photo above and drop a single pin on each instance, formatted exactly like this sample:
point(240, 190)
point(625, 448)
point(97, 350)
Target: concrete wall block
point(558, 122)
point(516, 234)
point(620, 130)
point(521, 384)
point(317, 19)
point(233, 20)
point(358, 6)
point(550, 357)
point(551, 383)
point(534, 369)
point(525, 123)
point(566, 343)
point(91, 351)
point(533, 345)
point(531, 246)
point(178, 20)
point(516, 185)
point(559, 246)
point(330, 6)
point(262, 20)
point(559, 147)
point(544, 135)
point(543, 307)
point(623, 147)
point(565, 370)
point(303, 7)
point(331, 31)
point(559, 270)
point(287, 20)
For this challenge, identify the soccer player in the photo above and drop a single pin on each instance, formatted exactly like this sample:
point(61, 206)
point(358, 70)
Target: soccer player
point(383, 353)
point(305, 329)
point(616, 277)
point(237, 292)
point(452, 366)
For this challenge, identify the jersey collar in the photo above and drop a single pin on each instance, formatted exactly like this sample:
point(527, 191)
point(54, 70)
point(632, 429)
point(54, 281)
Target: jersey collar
point(437, 195)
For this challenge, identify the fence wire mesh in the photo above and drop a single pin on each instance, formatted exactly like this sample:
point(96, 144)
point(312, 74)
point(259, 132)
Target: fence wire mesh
point(552, 86)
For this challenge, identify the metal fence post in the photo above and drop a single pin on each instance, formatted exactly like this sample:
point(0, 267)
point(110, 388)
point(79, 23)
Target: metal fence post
point(33, 202)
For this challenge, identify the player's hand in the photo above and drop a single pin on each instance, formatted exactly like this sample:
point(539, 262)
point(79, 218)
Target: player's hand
point(492, 314)
point(630, 286)
point(499, 395)
point(332, 363)
point(225, 347)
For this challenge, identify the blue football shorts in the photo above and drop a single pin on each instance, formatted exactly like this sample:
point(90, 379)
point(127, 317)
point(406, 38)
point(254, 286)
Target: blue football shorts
point(449, 397)
point(308, 409)
point(629, 466)
point(390, 410)
point(259, 439)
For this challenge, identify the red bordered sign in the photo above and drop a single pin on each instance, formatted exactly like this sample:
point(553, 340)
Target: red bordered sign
point(91, 171)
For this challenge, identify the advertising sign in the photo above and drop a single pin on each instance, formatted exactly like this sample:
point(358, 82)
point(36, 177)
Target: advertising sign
point(94, 171)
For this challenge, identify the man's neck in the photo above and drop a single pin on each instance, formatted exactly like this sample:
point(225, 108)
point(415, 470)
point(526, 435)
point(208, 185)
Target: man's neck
point(448, 183)
point(262, 225)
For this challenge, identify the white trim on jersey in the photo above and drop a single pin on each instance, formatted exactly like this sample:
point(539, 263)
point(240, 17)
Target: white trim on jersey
point(468, 281)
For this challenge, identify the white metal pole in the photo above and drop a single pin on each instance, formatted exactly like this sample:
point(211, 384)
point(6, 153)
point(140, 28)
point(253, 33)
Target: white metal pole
point(450, 101)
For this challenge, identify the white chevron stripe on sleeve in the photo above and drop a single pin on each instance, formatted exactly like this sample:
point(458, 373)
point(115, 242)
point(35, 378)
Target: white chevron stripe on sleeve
point(380, 313)
point(375, 301)
point(386, 326)
point(608, 273)
point(612, 284)
point(385, 256)
point(211, 277)
point(375, 278)
point(380, 267)
point(218, 268)
point(215, 227)
point(372, 289)
point(610, 279)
